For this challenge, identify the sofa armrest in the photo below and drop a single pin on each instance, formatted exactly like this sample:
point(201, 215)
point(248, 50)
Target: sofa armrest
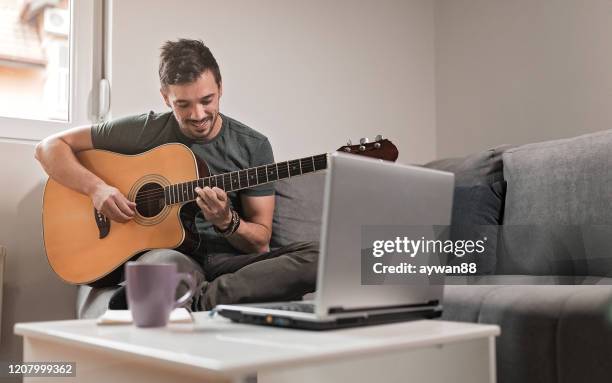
point(548, 333)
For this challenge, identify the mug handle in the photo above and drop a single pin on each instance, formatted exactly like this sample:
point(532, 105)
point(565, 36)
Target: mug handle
point(190, 280)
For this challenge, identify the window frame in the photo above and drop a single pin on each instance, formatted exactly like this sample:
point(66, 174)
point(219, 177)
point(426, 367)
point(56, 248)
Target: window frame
point(85, 74)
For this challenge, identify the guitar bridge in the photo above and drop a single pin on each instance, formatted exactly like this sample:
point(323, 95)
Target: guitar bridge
point(103, 223)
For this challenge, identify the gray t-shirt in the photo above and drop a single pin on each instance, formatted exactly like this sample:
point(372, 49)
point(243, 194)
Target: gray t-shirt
point(236, 147)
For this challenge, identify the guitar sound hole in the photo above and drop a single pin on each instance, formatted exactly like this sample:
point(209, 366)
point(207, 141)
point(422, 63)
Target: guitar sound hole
point(150, 200)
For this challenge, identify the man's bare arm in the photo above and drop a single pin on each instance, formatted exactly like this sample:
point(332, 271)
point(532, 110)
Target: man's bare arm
point(255, 230)
point(253, 234)
point(57, 155)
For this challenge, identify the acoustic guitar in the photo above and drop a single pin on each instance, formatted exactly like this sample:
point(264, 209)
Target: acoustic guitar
point(83, 246)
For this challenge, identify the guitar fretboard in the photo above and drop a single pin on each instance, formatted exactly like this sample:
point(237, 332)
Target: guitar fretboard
point(246, 178)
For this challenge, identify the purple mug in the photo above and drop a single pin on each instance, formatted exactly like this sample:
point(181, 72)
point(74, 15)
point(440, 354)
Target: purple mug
point(151, 292)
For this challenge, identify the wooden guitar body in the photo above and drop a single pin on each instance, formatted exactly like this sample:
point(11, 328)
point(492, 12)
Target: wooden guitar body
point(71, 231)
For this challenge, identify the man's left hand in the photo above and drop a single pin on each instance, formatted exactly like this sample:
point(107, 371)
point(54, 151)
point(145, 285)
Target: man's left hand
point(215, 206)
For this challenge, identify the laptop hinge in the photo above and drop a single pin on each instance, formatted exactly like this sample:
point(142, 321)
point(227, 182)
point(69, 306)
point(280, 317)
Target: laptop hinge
point(340, 309)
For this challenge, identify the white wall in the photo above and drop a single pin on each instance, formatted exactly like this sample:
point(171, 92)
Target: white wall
point(32, 292)
point(518, 71)
point(308, 74)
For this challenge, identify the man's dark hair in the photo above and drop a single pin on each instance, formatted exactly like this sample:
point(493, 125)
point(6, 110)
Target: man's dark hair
point(184, 61)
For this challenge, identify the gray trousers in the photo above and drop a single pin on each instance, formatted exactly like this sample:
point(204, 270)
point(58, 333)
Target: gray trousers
point(282, 274)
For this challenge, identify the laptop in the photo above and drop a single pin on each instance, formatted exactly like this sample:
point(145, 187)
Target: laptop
point(361, 191)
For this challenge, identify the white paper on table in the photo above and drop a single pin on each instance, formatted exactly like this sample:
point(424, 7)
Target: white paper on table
point(180, 315)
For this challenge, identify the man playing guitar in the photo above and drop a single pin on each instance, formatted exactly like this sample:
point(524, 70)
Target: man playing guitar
point(234, 264)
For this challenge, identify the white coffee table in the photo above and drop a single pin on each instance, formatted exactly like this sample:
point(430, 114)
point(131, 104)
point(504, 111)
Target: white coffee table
point(214, 349)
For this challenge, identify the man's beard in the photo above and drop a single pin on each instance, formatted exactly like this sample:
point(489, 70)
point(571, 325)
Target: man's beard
point(204, 126)
point(201, 123)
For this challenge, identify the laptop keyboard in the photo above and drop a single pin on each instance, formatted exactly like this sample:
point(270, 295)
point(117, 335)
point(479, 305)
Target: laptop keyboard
point(293, 306)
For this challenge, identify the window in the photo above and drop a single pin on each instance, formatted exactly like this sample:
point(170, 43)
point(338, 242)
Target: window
point(46, 65)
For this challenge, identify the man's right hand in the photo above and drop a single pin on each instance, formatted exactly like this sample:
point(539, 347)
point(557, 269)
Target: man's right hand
point(113, 204)
point(57, 155)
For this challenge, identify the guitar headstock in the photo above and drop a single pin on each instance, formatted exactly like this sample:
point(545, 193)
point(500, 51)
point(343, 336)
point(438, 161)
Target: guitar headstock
point(381, 148)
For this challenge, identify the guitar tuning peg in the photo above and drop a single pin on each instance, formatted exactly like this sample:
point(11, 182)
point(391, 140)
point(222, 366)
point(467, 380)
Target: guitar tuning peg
point(379, 137)
point(364, 141)
point(349, 142)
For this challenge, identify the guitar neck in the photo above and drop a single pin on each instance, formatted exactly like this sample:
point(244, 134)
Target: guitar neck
point(246, 178)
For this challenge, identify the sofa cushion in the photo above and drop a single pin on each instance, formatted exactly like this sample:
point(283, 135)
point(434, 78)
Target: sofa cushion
point(298, 210)
point(542, 250)
point(477, 213)
point(557, 191)
point(562, 182)
point(483, 168)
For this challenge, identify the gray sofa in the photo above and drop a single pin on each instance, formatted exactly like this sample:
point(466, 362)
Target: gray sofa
point(555, 327)
point(550, 290)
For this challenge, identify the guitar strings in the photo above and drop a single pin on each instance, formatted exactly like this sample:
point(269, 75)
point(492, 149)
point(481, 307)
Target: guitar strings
point(316, 161)
point(157, 192)
point(153, 195)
